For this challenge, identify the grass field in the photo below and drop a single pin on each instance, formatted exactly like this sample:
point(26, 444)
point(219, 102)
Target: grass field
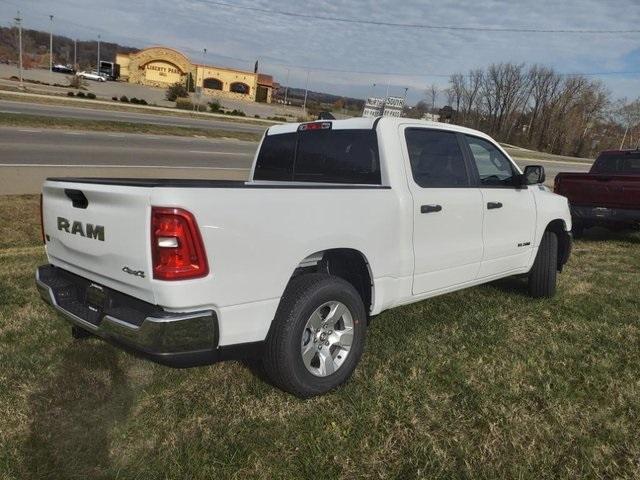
point(483, 383)
point(523, 153)
point(36, 121)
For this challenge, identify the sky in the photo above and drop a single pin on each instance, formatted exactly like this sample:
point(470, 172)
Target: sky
point(349, 58)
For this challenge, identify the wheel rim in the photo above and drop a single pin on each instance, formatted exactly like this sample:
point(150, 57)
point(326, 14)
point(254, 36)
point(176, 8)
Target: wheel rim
point(327, 339)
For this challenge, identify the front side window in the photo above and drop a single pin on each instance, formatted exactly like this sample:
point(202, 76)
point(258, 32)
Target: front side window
point(436, 158)
point(494, 168)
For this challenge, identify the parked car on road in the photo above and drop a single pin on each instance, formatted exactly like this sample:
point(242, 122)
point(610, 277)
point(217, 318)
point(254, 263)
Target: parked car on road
point(63, 69)
point(340, 221)
point(92, 76)
point(609, 195)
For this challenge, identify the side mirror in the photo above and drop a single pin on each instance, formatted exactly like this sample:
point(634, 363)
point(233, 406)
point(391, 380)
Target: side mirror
point(533, 174)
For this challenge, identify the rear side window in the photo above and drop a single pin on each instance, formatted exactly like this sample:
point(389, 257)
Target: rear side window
point(320, 156)
point(436, 158)
point(623, 164)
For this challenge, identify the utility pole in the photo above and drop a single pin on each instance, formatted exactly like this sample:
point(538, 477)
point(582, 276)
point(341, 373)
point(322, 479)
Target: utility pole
point(286, 91)
point(98, 54)
point(626, 130)
point(199, 89)
point(75, 54)
point(306, 92)
point(51, 46)
point(18, 20)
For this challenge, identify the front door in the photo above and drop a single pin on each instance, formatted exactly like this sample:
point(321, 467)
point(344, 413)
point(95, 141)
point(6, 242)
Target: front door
point(447, 210)
point(509, 211)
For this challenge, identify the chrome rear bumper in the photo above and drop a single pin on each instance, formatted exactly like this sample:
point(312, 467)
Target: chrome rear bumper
point(174, 339)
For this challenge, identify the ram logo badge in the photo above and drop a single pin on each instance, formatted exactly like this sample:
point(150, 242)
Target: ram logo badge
point(78, 228)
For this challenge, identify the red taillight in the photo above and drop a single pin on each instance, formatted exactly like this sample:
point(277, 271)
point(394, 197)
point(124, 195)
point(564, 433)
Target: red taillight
point(176, 245)
point(42, 222)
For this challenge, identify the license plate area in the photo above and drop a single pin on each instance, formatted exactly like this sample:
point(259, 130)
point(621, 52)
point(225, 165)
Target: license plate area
point(96, 298)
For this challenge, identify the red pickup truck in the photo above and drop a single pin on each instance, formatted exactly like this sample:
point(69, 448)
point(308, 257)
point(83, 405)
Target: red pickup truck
point(609, 195)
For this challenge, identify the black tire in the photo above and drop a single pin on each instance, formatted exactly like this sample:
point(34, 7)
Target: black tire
point(282, 360)
point(542, 276)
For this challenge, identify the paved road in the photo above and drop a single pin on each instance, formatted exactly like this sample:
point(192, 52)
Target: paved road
point(8, 106)
point(24, 146)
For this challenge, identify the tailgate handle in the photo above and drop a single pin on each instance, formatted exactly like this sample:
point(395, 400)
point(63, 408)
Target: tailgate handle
point(77, 198)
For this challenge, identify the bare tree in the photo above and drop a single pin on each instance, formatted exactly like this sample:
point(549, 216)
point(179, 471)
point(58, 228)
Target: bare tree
point(432, 94)
point(628, 115)
point(537, 107)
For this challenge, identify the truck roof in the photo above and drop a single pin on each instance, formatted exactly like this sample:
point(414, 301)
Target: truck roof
point(620, 152)
point(357, 123)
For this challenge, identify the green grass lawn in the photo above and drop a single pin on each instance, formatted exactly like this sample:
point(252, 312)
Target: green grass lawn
point(483, 383)
point(37, 121)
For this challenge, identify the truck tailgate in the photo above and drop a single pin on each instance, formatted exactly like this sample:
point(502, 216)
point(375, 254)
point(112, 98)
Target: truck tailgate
point(600, 190)
point(101, 232)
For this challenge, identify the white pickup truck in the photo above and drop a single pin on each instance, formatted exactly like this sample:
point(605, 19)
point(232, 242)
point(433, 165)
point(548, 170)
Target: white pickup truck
point(340, 221)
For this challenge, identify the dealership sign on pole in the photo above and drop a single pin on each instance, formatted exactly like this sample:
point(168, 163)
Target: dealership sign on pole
point(385, 107)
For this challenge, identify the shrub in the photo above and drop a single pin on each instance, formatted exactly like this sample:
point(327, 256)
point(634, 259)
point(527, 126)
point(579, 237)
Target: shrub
point(70, 94)
point(76, 82)
point(91, 95)
point(142, 101)
point(80, 95)
point(133, 100)
point(115, 99)
point(256, 116)
point(237, 113)
point(214, 106)
point(175, 91)
point(124, 99)
point(277, 119)
point(184, 104)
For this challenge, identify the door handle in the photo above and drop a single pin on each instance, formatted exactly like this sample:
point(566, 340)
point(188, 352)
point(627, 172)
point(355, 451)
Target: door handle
point(492, 205)
point(430, 208)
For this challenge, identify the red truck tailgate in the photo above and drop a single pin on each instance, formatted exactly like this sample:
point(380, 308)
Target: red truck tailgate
point(600, 190)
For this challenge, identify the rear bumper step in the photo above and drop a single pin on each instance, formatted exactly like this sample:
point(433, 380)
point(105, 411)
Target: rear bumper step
point(173, 339)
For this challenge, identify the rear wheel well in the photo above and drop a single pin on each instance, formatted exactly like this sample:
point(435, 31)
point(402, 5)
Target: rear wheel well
point(346, 263)
point(564, 240)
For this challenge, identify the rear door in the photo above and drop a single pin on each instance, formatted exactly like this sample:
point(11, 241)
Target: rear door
point(101, 232)
point(509, 213)
point(447, 210)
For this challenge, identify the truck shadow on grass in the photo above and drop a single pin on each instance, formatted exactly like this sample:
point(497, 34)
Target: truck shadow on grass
point(74, 412)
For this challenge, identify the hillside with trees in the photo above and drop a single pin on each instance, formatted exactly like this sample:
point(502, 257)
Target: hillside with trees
point(35, 49)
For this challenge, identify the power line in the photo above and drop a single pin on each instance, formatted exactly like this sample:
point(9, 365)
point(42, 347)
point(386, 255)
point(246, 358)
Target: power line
point(425, 26)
